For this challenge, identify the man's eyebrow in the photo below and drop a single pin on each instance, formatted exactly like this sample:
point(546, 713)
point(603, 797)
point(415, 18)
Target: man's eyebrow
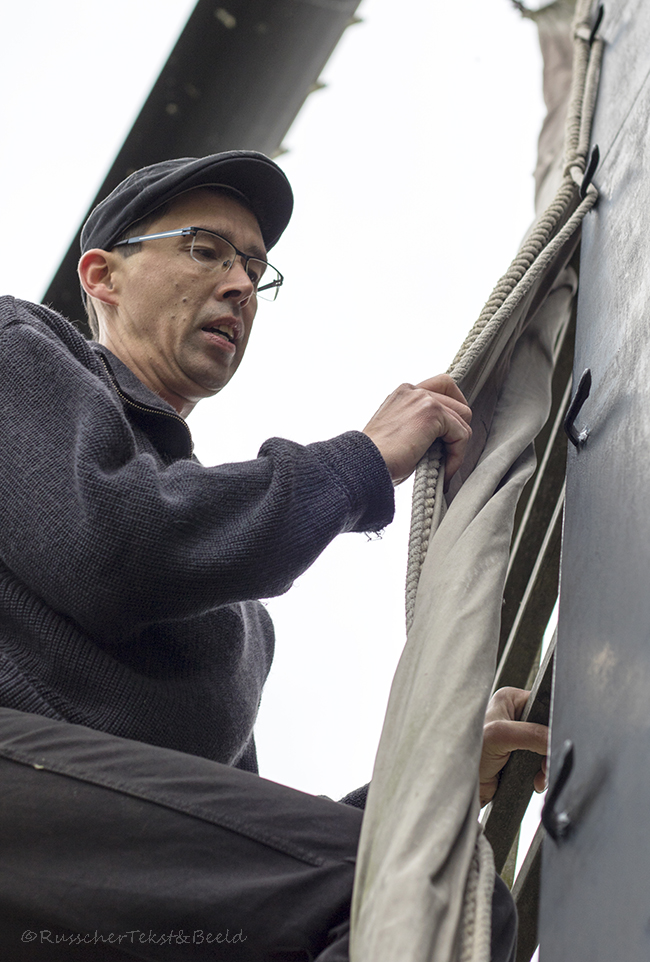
point(253, 250)
point(258, 252)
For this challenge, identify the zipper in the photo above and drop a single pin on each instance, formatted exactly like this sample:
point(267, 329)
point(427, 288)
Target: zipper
point(143, 407)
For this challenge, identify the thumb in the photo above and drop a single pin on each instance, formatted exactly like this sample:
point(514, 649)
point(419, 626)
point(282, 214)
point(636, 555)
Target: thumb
point(506, 736)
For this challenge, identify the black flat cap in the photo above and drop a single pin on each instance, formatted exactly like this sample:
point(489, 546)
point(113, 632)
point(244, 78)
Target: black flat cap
point(262, 183)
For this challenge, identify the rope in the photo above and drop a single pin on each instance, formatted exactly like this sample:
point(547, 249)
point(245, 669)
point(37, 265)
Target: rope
point(537, 250)
point(476, 927)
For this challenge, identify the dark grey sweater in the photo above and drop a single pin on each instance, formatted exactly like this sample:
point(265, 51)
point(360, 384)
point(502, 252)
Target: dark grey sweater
point(129, 572)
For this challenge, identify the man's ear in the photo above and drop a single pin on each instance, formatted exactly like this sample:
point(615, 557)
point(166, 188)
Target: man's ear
point(97, 275)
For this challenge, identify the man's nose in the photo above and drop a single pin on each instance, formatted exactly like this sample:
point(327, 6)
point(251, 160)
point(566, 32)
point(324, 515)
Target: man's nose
point(235, 284)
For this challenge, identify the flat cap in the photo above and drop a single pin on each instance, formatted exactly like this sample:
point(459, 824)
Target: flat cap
point(261, 182)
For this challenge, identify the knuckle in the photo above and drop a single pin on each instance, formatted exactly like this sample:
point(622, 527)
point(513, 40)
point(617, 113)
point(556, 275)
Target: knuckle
point(491, 729)
point(432, 401)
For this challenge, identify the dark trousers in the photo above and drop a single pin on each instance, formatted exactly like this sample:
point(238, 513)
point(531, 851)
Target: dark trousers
point(112, 850)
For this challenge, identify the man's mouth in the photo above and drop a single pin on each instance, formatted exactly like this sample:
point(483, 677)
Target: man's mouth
point(225, 330)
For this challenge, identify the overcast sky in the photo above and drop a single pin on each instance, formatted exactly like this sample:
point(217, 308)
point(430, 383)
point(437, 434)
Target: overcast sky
point(413, 178)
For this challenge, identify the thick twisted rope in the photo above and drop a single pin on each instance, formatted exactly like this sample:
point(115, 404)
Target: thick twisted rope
point(476, 925)
point(536, 253)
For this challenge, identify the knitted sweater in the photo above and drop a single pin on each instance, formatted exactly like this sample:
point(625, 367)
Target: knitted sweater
point(129, 573)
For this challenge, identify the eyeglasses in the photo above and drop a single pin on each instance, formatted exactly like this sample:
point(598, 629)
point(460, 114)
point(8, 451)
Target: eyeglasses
point(216, 254)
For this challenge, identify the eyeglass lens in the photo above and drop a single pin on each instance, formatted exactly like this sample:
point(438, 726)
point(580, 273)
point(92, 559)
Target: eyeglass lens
point(217, 254)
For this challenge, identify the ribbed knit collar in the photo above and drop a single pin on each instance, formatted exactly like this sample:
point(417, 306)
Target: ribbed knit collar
point(170, 434)
point(131, 385)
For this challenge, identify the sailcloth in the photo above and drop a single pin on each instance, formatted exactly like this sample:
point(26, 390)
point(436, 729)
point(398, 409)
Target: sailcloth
point(425, 873)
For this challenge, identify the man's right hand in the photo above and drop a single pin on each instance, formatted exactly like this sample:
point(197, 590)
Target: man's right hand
point(413, 417)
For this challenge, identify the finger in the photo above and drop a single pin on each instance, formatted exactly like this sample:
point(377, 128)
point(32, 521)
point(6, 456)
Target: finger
point(539, 782)
point(456, 404)
point(444, 384)
point(503, 736)
point(507, 703)
point(487, 790)
point(455, 451)
point(455, 439)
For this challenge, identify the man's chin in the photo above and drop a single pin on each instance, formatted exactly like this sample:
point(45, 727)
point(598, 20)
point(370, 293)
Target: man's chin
point(209, 375)
point(208, 383)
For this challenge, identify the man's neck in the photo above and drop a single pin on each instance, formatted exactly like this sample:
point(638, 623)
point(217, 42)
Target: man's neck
point(144, 372)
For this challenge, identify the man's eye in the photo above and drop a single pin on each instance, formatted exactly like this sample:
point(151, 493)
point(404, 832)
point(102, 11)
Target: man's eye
point(205, 253)
point(254, 276)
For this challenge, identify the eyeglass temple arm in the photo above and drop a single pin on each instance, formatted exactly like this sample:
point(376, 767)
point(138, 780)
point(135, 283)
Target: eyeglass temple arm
point(181, 232)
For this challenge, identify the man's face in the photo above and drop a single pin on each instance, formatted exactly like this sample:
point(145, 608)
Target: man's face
point(170, 310)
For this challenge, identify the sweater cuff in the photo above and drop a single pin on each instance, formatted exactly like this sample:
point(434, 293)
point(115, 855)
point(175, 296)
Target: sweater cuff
point(357, 798)
point(357, 463)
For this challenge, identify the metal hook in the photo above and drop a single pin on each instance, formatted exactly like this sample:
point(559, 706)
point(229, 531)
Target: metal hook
point(594, 157)
point(599, 19)
point(557, 824)
point(581, 395)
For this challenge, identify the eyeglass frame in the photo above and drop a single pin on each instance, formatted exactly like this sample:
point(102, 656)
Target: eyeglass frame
point(192, 232)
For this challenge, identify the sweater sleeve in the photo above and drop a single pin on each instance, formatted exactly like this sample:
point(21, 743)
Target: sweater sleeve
point(107, 536)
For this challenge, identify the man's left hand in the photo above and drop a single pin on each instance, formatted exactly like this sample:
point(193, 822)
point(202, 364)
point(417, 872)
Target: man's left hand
point(503, 733)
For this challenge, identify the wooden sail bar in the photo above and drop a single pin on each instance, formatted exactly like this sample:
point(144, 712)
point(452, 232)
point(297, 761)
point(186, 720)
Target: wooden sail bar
point(530, 596)
point(525, 892)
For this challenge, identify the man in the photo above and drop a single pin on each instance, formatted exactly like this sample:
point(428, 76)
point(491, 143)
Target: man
point(128, 587)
